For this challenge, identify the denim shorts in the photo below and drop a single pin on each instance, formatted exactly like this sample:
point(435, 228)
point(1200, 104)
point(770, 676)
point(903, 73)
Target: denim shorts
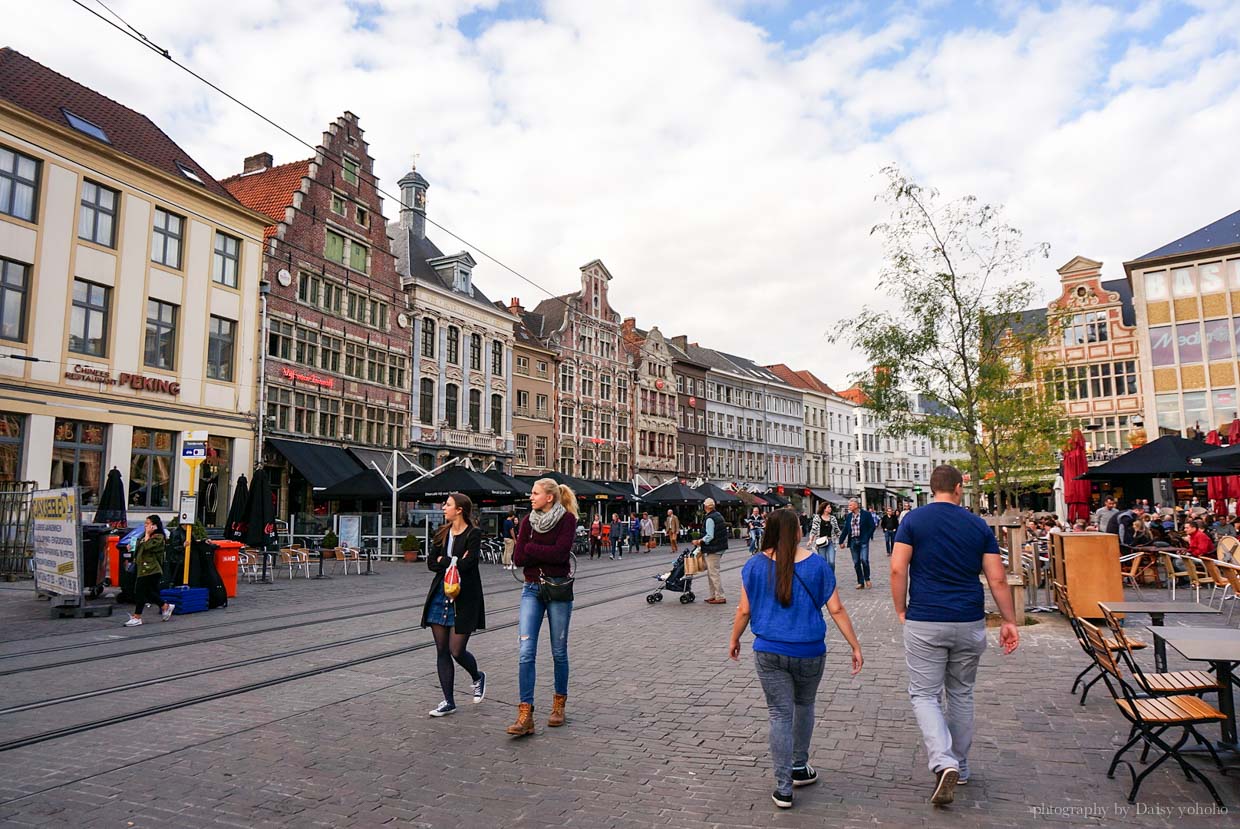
point(442, 611)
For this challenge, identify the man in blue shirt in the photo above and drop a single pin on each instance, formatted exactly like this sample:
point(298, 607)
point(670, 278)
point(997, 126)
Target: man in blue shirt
point(509, 533)
point(940, 550)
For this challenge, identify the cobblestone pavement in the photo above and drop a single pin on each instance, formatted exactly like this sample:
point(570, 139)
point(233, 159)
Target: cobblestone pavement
point(663, 729)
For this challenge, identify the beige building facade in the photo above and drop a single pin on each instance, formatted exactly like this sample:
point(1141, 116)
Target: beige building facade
point(128, 300)
point(534, 372)
point(655, 405)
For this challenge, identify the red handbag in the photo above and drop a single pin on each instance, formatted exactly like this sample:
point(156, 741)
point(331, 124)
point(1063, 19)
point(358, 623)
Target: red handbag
point(452, 581)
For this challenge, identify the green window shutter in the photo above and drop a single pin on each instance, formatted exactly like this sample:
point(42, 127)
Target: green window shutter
point(334, 247)
point(357, 257)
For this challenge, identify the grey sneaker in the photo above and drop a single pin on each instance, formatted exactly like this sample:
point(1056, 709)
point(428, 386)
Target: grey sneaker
point(944, 789)
point(443, 709)
point(480, 688)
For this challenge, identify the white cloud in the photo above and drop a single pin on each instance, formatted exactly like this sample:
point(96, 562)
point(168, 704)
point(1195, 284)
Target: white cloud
point(727, 184)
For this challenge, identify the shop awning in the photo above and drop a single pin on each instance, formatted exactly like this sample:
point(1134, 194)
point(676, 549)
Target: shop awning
point(321, 465)
point(366, 484)
point(381, 459)
point(828, 496)
point(775, 499)
point(723, 498)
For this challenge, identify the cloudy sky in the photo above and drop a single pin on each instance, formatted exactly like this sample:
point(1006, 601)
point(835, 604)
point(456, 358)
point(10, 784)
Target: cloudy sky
point(720, 156)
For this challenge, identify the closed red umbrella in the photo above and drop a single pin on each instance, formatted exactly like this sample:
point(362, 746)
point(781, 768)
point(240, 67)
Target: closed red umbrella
point(1232, 487)
point(1076, 493)
point(1216, 485)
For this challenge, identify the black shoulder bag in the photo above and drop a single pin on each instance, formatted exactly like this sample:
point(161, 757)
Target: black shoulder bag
point(558, 588)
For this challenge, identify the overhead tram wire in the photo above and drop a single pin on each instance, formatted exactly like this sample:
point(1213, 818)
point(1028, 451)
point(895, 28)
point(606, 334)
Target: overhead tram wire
point(131, 32)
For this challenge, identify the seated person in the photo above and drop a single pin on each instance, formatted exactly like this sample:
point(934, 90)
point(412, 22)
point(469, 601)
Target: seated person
point(1199, 542)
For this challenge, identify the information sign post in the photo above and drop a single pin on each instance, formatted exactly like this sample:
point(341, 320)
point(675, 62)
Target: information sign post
point(193, 453)
point(56, 533)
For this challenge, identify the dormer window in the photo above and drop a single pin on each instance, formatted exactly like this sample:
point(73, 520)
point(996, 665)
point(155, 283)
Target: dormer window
point(461, 280)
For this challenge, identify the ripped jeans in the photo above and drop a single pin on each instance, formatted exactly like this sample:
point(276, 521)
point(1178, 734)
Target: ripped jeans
point(558, 615)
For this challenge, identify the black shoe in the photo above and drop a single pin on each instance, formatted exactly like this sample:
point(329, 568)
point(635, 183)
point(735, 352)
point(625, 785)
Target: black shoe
point(783, 801)
point(944, 790)
point(804, 776)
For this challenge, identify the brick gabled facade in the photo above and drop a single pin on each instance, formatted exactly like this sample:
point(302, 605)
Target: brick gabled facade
point(655, 403)
point(339, 341)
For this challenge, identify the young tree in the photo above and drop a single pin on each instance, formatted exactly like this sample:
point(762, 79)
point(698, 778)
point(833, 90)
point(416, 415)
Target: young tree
point(958, 337)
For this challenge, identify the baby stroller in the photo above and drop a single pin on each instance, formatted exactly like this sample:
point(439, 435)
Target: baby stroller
point(581, 542)
point(675, 581)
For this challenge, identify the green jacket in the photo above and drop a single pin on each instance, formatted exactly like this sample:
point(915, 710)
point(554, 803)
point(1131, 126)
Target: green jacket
point(149, 556)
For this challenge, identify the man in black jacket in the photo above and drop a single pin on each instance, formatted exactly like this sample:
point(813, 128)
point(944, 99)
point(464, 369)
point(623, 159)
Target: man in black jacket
point(856, 530)
point(714, 542)
point(889, 523)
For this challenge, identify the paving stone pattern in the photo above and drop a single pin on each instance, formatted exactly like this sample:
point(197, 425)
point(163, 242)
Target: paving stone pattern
point(663, 729)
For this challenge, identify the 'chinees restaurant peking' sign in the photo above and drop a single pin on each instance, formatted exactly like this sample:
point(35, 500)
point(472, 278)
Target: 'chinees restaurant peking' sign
point(306, 377)
point(137, 382)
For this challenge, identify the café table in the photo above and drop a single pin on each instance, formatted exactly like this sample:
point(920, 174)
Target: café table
point(1221, 648)
point(1157, 611)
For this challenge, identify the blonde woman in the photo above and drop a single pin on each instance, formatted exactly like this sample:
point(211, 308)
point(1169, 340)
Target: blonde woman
point(544, 546)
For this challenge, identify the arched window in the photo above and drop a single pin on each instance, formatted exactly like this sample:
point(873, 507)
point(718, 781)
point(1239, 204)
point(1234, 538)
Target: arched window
point(426, 401)
point(451, 399)
point(475, 410)
point(428, 337)
point(497, 414)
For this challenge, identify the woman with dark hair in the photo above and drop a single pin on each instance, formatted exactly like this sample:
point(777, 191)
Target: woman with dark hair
point(823, 531)
point(148, 558)
point(782, 593)
point(453, 619)
point(544, 549)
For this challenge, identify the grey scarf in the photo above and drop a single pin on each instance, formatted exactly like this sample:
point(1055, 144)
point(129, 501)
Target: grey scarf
point(544, 522)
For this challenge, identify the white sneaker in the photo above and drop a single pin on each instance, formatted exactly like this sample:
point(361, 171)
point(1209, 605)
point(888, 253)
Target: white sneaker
point(133, 622)
point(167, 614)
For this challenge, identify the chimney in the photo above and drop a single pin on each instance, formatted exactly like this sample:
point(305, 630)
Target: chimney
point(257, 163)
point(681, 342)
point(514, 306)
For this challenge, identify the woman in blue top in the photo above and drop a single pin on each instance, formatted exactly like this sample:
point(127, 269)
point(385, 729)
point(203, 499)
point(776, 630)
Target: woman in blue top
point(782, 593)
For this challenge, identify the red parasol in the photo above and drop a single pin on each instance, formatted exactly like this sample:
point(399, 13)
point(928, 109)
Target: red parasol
point(1216, 485)
point(1076, 493)
point(1233, 481)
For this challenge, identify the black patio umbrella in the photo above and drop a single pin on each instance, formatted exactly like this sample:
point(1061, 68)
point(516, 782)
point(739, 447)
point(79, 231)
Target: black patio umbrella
point(1168, 455)
point(723, 498)
point(234, 525)
point(111, 509)
point(580, 486)
point(478, 486)
point(1213, 461)
point(775, 499)
point(673, 494)
point(365, 484)
point(260, 513)
point(515, 484)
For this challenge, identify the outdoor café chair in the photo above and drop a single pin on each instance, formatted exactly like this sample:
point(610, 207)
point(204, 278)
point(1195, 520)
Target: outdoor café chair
point(248, 563)
point(295, 557)
point(1168, 683)
point(347, 554)
point(1173, 574)
point(1061, 597)
point(1228, 545)
point(1231, 572)
point(1217, 581)
point(1151, 718)
point(1194, 575)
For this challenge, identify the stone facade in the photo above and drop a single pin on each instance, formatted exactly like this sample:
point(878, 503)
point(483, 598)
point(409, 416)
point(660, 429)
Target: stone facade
point(535, 369)
point(594, 415)
point(655, 402)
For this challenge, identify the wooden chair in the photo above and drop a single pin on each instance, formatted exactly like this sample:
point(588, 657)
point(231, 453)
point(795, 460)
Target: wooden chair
point(1138, 567)
point(296, 557)
point(1195, 579)
point(346, 555)
point(1061, 598)
point(1231, 572)
point(1173, 573)
point(1168, 683)
point(1151, 718)
point(1228, 546)
point(1217, 581)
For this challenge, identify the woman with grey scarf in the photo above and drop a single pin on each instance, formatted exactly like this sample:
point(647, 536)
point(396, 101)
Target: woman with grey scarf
point(544, 547)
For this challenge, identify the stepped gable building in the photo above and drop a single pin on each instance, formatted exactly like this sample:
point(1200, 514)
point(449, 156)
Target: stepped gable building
point(1187, 299)
point(338, 340)
point(128, 301)
point(595, 410)
point(691, 439)
point(656, 404)
point(535, 368)
point(462, 373)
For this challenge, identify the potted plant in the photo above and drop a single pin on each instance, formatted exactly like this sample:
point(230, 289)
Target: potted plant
point(328, 545)
point(411, 546)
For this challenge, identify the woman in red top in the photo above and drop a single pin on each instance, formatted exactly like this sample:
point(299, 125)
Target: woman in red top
point(544, 548)
point(1199, 542)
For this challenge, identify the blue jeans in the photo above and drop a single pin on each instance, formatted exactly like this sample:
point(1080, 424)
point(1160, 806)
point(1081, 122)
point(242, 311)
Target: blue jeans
point(891, 540)
point(790, 684)
point(861, 560)
point(615, 548)
point(532, 610)
point(827, 551)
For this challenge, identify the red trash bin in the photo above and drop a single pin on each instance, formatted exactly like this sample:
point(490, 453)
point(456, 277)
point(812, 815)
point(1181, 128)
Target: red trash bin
point(226, 553)
point(114, 561)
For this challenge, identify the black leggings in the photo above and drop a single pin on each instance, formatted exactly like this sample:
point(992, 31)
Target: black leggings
point(146, 590)
point(449, 646)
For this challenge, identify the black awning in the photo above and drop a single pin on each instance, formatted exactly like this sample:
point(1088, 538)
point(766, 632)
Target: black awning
point(321, 465)
point(365, 484)
point(829, 496)
point(775, 499)
point(723, 497)
point(1168, 455)
point(673, 493)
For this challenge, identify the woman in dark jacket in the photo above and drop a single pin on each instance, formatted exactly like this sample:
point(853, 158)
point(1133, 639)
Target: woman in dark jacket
point(149, 560)
point(453, 620)
point(544, 548)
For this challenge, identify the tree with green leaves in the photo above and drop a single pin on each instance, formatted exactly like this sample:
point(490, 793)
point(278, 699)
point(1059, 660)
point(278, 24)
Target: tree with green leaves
point(956, 338)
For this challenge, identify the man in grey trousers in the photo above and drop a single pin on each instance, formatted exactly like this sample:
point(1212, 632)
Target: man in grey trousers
point(940, 549)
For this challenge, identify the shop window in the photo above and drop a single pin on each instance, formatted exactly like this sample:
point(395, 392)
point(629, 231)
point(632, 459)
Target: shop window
point(12, 428)
point(1196, 415)
point(150, 469)
point(213, 482)
point(77, 457)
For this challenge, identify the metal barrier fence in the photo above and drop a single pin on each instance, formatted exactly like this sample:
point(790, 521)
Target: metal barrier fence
point(15, 550)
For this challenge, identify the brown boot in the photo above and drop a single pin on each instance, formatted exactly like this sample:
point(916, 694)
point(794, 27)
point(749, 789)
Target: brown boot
point(557, 710)
point(525, 721)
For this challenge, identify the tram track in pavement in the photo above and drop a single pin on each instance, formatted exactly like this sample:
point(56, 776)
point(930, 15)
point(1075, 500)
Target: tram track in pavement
point(93, 725)
point(241, 634)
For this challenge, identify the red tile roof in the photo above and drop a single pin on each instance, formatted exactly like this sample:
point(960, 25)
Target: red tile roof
point(33, 87)
point(270, 191)
point(856, 395)
point(800, 379)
